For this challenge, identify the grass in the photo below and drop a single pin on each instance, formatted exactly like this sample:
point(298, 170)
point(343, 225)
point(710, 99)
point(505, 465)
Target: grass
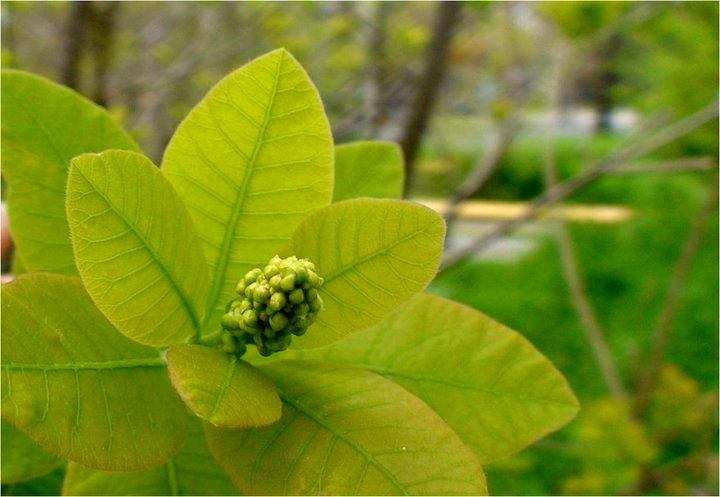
point(626, 268)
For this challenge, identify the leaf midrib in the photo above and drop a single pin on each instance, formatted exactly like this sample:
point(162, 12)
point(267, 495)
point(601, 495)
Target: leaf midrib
point(376, 253)
point(149, 362)
point(414, 376)
point(185, 299)
point(224, 387)
point(319, 419)
point(224, 253)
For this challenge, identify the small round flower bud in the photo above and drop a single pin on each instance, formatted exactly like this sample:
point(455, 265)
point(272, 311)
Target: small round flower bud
point(275, 282)
point(296, 296)
point(250, 289)
point(274, 303)
point(262, 293)
point(316, 305)
point(278, 321)
point(277, 302)
point(252, 275)
point(250, 318)
point(229, 322)
point(311, 295)
point(288, 283)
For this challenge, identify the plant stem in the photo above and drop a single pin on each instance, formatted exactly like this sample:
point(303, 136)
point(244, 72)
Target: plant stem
point(212, 339)
point(566, 188)
point(426, 91)
point(568, 258)
point(676, 285)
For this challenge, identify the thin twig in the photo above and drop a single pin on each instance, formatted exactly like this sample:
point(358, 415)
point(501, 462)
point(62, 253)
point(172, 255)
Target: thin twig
point(566, 188)
point(689, 164)
point(483, 170)
point(676, 285)
point(568, 258)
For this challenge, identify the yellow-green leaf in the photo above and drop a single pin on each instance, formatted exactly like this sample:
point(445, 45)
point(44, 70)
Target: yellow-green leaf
point(368, 169)
point(22, 459)
point(346, 431)
point(79, 388)
point(44, 125)
point(136, 248)
point(192, 471)
point(485, 380)
point(250, 162)
point(221, 388)
point(373, 254)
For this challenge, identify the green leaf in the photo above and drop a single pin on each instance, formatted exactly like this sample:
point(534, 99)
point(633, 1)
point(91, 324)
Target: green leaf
point(250, 162)
point(136, 247)
point(79, 388)
point(49, 484)
point(44, 125)
point(486, 381)
point(346, 431)
point(221, 388)
point(368, 169)
point(22, 459)
point(192, 471)
point(373, 254)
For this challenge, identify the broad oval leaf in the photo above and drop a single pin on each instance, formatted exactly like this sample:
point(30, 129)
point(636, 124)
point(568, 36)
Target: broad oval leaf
point(22, 459)
point(346, 431)
point(44, 125)
point(136, 248)
point(79, 388)
point(485, 380)
point(368, 169)
point(250, 161)
point(192, 471)
point(221, 388)
point(374, 255)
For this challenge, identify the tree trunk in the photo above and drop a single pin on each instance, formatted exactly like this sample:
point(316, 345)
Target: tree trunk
point(102, 40)
point(426, 90)
point(376, 78)
point(75, 38)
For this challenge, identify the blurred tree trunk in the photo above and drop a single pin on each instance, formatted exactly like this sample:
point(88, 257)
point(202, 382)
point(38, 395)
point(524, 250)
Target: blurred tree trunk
point(428, 84)
point(75, 39)
point(90, 33)
point(103, 31)
point(376, 95)
point(605, 83)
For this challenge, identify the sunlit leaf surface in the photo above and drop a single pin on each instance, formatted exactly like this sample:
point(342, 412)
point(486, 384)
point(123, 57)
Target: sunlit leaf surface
point(374, 255)
point(250, 162)
point(346, 431)
point(221, 388)
point(368, 169)
point(136, 247)
point(192, 471)
point(486, 381)
point(79, 388)
point(44, 125)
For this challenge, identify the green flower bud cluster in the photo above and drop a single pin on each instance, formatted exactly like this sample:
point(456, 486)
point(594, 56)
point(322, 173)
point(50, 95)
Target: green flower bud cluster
point(274, 304)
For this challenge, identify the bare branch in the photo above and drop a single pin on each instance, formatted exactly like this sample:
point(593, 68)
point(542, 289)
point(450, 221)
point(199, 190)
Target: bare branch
point(568, 258)
point(676, 285)
point(426, 90)
point(674, 166)
point(483, 170)
point(566, 188)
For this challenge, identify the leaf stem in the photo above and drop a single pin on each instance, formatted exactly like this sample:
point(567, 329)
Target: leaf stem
point(210, 340)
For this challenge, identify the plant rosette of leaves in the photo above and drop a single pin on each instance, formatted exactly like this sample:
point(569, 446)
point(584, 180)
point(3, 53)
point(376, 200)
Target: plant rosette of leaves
point(117, 330)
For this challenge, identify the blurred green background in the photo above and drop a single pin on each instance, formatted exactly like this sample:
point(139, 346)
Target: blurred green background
point(520, 89)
